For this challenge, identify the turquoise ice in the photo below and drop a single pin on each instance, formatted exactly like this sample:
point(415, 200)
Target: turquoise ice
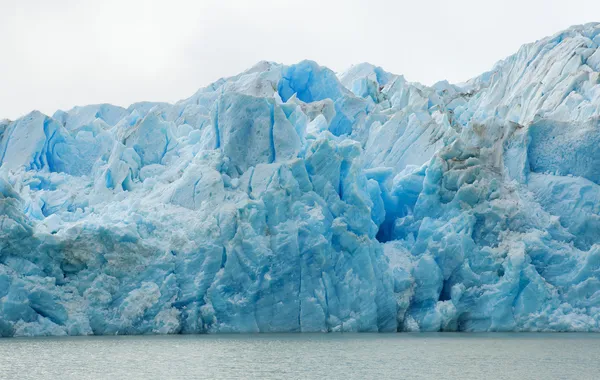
point(295, 199)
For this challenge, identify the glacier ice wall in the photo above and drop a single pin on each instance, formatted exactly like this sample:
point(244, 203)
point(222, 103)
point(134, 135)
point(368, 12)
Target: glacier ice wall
point(289, 198)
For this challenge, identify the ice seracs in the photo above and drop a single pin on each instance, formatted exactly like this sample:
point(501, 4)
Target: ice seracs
point(289, 198)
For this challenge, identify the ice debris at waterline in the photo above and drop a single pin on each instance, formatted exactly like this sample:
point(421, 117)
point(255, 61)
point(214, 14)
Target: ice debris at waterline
point(289, 198)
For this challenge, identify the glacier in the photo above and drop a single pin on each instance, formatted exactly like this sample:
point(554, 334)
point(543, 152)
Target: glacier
point(290, 198)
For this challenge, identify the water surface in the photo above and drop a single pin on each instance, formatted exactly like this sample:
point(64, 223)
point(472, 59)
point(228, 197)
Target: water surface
point(304, 356)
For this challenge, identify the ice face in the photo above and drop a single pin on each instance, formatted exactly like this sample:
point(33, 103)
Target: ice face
point(289, 198)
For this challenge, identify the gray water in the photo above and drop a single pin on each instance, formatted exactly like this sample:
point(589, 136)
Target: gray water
point(305, 356)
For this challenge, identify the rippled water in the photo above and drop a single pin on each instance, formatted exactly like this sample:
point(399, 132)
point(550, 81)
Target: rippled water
point(305, 356)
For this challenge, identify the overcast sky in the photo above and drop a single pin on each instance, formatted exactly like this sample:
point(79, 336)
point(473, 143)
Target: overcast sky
point(61, 53)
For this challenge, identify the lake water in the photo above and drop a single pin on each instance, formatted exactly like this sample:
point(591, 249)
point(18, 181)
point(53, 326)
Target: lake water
point(304, 356)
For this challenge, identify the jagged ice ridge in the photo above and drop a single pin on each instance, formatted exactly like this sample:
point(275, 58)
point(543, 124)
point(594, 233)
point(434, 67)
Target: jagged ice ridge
point(289, 198)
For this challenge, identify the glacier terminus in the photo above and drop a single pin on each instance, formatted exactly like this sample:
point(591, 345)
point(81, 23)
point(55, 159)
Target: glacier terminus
point(289, 198)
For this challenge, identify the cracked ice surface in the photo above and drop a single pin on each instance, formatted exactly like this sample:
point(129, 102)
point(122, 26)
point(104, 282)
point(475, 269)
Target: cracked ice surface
point(289, 198)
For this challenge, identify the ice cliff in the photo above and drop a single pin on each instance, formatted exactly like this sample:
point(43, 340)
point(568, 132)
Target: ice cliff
point(289, 198)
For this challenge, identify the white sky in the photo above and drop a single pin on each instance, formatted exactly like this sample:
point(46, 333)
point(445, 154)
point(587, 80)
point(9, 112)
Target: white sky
point(55, 54)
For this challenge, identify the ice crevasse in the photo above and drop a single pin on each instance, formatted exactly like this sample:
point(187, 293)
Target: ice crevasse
point(294, 199)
